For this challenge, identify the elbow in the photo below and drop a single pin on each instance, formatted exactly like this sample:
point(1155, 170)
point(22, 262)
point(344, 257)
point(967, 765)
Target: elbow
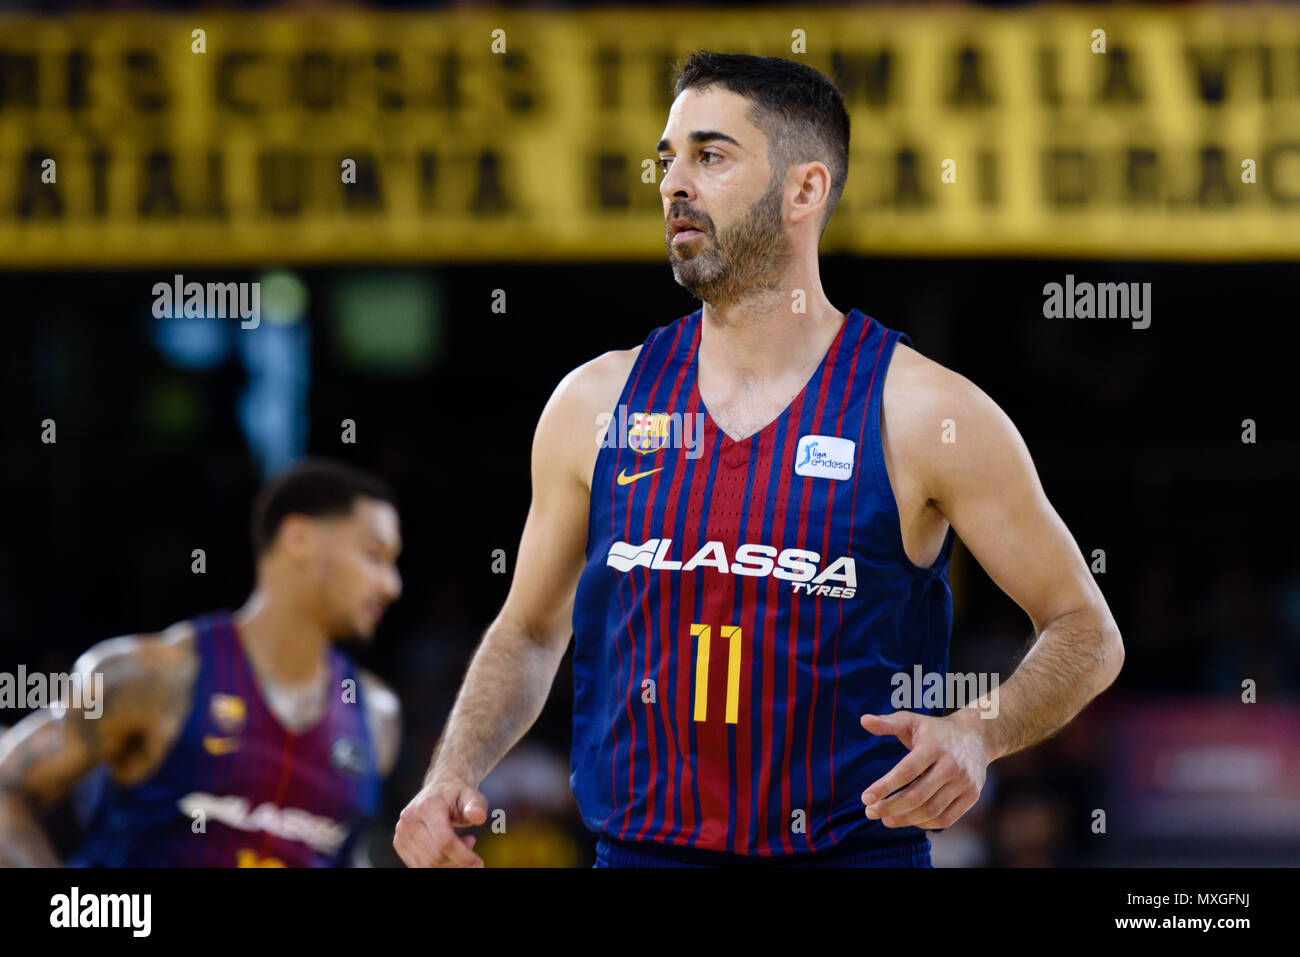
point(1110, 654)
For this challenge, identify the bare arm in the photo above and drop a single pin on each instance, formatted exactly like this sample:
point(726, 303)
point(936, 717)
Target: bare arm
point(32, 753)
point(988, 489)
point(985, 484)
point(511, 673)
point(384, 721)
point(143, 689)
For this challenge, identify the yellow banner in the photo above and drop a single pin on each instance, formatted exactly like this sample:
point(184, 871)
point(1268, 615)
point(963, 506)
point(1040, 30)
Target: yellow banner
point(500, 135)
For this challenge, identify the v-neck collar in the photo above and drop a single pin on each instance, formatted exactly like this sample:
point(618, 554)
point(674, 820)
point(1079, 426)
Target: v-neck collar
point(728, 443)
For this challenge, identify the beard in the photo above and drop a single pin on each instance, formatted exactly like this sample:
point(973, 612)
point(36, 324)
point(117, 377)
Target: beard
point(351, 630)
point(354, 633)
point(352, 636)
point(746, 257)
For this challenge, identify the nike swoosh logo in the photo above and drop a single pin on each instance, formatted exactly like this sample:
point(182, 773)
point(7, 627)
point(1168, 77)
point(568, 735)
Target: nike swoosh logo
point(625, 479)
point(220, 746)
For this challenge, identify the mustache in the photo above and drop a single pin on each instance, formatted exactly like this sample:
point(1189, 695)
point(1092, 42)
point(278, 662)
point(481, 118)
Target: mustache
point(702, 221)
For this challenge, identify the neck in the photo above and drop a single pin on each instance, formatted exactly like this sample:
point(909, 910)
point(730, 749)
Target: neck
point(761, 338)
point(284, 646)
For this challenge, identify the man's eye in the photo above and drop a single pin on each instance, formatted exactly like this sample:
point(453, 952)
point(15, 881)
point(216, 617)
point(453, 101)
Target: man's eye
point(667, 161)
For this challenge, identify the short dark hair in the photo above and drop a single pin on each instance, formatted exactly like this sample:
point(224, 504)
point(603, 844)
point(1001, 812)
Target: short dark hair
point(315, 487)
point(798, 108)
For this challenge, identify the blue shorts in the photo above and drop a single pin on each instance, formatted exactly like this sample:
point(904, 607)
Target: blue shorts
point(612, 853)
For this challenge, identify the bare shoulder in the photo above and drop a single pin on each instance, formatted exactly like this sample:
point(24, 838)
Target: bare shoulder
point(127, 662)
point(573, 423)
point(939, 422)
point(147, 683)
point(921, 387)
point(383, 718)
point(912, 370)
point(596, 385)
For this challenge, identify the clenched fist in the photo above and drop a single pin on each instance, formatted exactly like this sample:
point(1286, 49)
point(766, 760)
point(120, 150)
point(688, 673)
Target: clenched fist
point(425, 834)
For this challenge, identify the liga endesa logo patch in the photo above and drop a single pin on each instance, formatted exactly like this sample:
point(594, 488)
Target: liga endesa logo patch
point(824, 456)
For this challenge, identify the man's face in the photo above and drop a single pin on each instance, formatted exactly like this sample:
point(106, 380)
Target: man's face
point(718, 180)
point(356, 567)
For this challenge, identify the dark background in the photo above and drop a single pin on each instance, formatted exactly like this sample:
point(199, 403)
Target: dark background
point(1136, 435)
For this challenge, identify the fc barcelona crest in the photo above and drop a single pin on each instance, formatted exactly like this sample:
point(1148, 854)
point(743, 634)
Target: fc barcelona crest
point(228, 712)
point(649, 431)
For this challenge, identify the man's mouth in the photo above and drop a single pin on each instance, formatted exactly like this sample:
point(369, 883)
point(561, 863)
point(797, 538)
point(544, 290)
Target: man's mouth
point(684, 230)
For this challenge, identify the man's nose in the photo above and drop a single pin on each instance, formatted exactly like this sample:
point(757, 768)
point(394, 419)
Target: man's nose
point(676, 185)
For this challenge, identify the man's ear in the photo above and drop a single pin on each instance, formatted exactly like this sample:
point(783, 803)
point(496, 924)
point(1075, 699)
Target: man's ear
point(297, 537)
point(814, 180)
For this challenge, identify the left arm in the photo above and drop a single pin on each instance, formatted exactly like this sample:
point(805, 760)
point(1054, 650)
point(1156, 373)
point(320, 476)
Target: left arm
point(384, 721)
point(985, 485)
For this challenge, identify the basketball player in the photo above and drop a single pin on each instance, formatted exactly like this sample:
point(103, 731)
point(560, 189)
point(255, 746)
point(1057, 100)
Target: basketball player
point(233, 740)
point(741, 595)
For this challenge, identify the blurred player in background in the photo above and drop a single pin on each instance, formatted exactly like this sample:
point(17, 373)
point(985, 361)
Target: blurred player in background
point(233, 740)
point(742, 603)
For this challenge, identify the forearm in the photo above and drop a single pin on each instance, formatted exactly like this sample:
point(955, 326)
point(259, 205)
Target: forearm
point(1075, 659)
point(505, 689)
point(23, 842)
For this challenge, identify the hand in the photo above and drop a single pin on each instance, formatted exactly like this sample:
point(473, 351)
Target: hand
point(946, 767)
point(425, 835)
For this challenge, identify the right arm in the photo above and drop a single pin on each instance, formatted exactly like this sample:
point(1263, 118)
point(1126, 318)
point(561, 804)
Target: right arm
point(511, 673)
point(44, 754)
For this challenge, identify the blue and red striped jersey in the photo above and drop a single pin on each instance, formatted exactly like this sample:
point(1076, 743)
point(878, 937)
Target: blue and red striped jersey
point(237, 789)
point(742, 605)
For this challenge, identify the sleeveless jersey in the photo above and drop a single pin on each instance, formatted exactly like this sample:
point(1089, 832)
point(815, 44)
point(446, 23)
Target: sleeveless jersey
point(267, 797)
point(742, 605)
